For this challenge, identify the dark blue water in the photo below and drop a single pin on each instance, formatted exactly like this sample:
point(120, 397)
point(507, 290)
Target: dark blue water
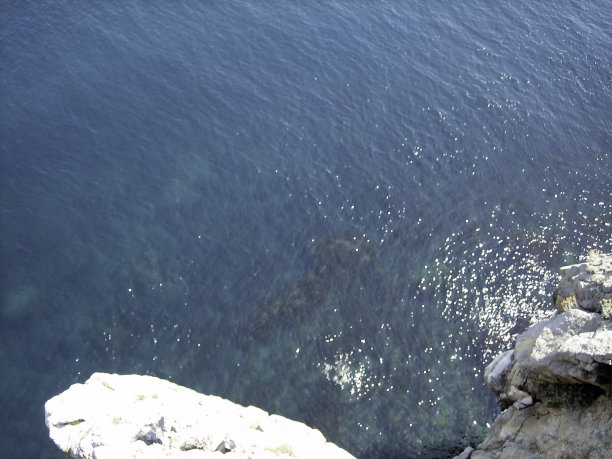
point(337, 211)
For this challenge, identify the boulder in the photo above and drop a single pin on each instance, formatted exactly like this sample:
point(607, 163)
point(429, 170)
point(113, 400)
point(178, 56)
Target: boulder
point(137, 416)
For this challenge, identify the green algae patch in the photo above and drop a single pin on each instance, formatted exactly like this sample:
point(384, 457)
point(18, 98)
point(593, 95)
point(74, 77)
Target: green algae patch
point(107, 385)
point(282, 449)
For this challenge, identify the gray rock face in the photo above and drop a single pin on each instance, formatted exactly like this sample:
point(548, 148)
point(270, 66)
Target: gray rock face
point(587, 286)
point(133, 416)
point(557, 381)
point(545, 432)
point(574, 347)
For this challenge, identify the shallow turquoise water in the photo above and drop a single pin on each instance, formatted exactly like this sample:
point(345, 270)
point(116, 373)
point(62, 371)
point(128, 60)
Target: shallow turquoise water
point(337, 212)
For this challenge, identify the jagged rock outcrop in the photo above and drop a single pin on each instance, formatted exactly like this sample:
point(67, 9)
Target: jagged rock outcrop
point(134, 416)
point(556, 384)
point(570, 348)
point(587, 286)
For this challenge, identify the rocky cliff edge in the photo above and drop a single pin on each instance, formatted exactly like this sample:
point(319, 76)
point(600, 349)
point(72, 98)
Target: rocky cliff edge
point(556, 384)
point(119, 416)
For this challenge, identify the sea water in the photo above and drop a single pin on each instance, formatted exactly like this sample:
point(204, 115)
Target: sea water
point(336, 211)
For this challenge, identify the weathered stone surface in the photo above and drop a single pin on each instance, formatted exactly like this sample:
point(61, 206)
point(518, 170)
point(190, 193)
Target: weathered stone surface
point(496, 376)
point(587, 286)
point(496, 371)
point(135, 416)
point(574, 347)
point(542, 431)
point(557, 381)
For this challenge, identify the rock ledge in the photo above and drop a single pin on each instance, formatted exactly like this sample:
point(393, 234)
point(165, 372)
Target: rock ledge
point(136, 416)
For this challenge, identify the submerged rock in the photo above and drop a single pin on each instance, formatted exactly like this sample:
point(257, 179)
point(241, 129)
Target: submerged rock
point(344, 257)
point(339, 265)
point(556, 384)
point(290, 302)
point(112, 416)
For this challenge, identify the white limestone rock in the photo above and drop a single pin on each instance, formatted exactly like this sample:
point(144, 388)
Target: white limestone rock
point(134, 416)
